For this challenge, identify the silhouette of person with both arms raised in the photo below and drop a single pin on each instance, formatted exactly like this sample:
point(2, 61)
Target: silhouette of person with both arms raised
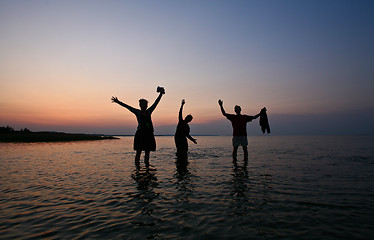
point(144, 139)
point(182, 133)
point(239, 125)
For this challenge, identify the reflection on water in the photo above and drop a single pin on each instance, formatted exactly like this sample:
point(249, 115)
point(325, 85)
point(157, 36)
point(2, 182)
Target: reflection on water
point(290, 188)
point(145, 178)
point(183, 182)
point(250, 190)
point(146, 181)
point(240, 181)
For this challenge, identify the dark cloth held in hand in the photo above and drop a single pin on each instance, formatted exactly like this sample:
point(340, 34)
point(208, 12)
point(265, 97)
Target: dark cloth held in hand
point(264, 123)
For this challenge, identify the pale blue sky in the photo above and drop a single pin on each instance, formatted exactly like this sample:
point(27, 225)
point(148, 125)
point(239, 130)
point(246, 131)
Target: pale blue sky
point(61, 61)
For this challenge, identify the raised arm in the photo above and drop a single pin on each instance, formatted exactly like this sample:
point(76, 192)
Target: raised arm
point(220, 102)
point(154, 105)
point(180, 117)
point(131, 109)
point(257, 115)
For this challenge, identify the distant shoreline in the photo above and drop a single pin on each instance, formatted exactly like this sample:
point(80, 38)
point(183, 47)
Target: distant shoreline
point(168, 135)
point(50, 137)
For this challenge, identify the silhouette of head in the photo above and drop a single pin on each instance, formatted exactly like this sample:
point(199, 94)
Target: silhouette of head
point(237, 109)
point(188, 118)
point(143, 104)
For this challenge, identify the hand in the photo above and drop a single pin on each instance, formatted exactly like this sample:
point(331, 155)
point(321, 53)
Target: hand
point(263, 110)
point(161, 90)
point(220, 102)
point(115, 99)
point(183, 102)
point(194, 141)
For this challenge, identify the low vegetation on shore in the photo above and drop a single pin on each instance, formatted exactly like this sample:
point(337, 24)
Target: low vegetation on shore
point(8, 134)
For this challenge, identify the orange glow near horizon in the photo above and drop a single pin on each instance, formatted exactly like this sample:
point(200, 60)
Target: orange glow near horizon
point(45, 104)
point(61, 69)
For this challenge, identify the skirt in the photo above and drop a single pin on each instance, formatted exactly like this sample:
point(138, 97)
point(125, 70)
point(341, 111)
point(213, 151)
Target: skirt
point(144, 141)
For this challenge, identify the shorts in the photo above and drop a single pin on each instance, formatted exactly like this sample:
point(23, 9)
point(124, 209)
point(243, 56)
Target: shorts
point(239, 140)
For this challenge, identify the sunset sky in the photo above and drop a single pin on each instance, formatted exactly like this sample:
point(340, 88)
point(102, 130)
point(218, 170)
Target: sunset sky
point(311, 63)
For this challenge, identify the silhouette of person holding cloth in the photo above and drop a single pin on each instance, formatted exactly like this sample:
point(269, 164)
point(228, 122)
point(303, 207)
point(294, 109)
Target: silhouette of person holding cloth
point(144, 139)
point(182, 133)
point(239, 125)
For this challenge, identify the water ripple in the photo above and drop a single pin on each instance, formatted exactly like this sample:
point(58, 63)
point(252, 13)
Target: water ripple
point(290, 188)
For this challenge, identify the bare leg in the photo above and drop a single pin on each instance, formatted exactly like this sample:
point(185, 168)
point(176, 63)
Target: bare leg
point(245, 149)
point(234, 152)
point(146, 158)
point(137, 157)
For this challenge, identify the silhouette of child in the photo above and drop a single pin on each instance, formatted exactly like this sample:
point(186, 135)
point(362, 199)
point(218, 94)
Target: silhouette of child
point(182, 133)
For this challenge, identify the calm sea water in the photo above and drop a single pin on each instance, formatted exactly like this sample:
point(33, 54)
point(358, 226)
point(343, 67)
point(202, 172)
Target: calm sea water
point(291, 188)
